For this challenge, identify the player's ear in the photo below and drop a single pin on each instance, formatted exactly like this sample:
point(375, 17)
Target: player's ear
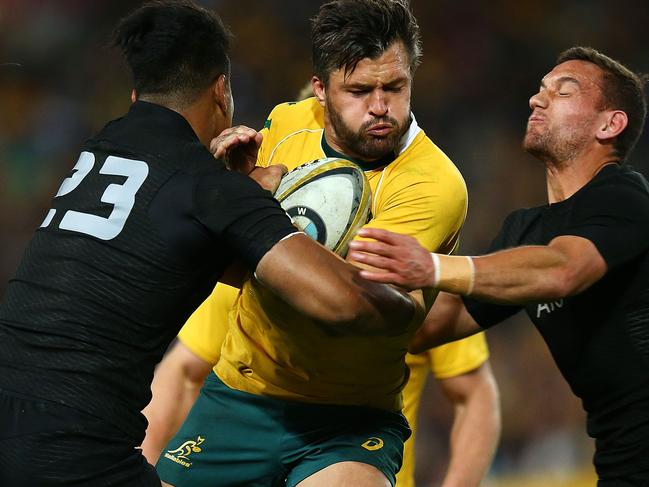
point(318, 90)
point(613, 124)
point(221, 92)
point(133, 96)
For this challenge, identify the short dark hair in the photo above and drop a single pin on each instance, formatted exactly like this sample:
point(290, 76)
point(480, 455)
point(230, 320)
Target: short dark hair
point(622, 89)
point(173, 47)
point(347, 31)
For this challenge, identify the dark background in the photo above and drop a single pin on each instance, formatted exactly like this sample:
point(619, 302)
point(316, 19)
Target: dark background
point(482, 61)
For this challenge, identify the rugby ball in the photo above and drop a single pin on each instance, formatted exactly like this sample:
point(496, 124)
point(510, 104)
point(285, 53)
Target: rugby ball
point(328, 199)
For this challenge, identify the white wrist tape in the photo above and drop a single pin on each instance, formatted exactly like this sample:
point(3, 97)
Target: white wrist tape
point(472, 281)
point(436, 269)
point(453, 273)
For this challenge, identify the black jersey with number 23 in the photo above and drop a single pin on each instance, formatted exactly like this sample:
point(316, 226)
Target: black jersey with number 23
point(136, 238)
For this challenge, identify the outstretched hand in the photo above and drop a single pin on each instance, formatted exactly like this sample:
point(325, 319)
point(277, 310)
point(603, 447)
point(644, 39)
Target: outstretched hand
point(398, 259)
point(238, 147)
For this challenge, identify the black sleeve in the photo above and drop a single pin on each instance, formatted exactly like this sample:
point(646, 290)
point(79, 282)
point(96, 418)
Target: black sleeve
point(236, 209)
point(489, 314)
point(614, 215)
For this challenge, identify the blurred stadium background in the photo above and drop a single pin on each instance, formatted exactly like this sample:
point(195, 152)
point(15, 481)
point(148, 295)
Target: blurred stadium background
point(482, 61)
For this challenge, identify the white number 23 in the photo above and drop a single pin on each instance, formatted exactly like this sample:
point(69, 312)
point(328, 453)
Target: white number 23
point(121, 196)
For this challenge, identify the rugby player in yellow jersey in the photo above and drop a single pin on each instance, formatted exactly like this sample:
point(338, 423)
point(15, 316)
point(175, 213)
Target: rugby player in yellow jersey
point(290, 403)
point(461, 369)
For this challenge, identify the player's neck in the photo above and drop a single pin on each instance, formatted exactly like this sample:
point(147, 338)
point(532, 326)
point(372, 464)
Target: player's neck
point(200, 114)
point(566, 178)
point(199, 122)
point(329, 151)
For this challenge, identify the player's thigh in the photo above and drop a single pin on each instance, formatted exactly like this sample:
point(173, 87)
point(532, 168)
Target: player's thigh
point(347, 443)
point(229, 438)
point(347, 474)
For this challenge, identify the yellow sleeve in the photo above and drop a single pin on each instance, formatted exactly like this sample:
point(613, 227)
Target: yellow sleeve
point(460, 357)
point(204, 331)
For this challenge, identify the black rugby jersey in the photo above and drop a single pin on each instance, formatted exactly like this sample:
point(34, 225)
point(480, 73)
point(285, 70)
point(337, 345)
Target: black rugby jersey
point(599, 338)
point(137, 237)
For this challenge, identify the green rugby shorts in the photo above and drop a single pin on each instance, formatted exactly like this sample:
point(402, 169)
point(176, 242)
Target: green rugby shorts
point(233, 438)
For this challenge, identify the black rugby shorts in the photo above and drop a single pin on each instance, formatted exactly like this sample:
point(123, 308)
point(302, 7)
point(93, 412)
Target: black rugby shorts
point(45, 444)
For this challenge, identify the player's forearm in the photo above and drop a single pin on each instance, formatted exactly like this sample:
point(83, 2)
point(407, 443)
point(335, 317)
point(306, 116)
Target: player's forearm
point(165, 413)
point(325, 288)
point(566, 266)
point(175, 387)
point(475, 433)
point(157, 436)
point(521, 275)
point(353, 305)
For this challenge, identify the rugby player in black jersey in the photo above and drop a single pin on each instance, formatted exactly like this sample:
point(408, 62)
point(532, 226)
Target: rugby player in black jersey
point(579, 265)
point(136, 238)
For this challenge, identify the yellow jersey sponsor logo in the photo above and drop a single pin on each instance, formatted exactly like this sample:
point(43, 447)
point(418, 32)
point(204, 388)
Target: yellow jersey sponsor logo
point(181, 454)
point(373, 443)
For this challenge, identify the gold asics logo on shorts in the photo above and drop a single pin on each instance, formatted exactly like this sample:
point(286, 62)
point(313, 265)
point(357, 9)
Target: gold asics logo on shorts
point(181, 454)
point(373, 443)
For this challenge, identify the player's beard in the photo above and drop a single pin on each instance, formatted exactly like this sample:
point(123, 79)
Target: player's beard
point(549, 146)
point(362, 145)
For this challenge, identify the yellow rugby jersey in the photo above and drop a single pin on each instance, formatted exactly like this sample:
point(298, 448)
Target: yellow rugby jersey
point(450, 360)
point(203, 333)
point(271, 349)
point(205, 330)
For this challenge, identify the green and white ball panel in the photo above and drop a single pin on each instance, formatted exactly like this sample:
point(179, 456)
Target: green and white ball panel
point(328, 199)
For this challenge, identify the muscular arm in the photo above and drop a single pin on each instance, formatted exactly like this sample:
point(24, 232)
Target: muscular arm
point(567, 265)
point(324, 287)
point(476, 425)
point(176, 384)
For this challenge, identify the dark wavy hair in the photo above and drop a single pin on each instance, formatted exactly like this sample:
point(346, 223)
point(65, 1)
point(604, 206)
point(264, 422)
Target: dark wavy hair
point(346, 31)
point(173, 47)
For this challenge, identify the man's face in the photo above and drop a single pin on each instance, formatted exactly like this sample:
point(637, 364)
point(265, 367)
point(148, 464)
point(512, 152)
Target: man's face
point(367, 112)
point(565, 112)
